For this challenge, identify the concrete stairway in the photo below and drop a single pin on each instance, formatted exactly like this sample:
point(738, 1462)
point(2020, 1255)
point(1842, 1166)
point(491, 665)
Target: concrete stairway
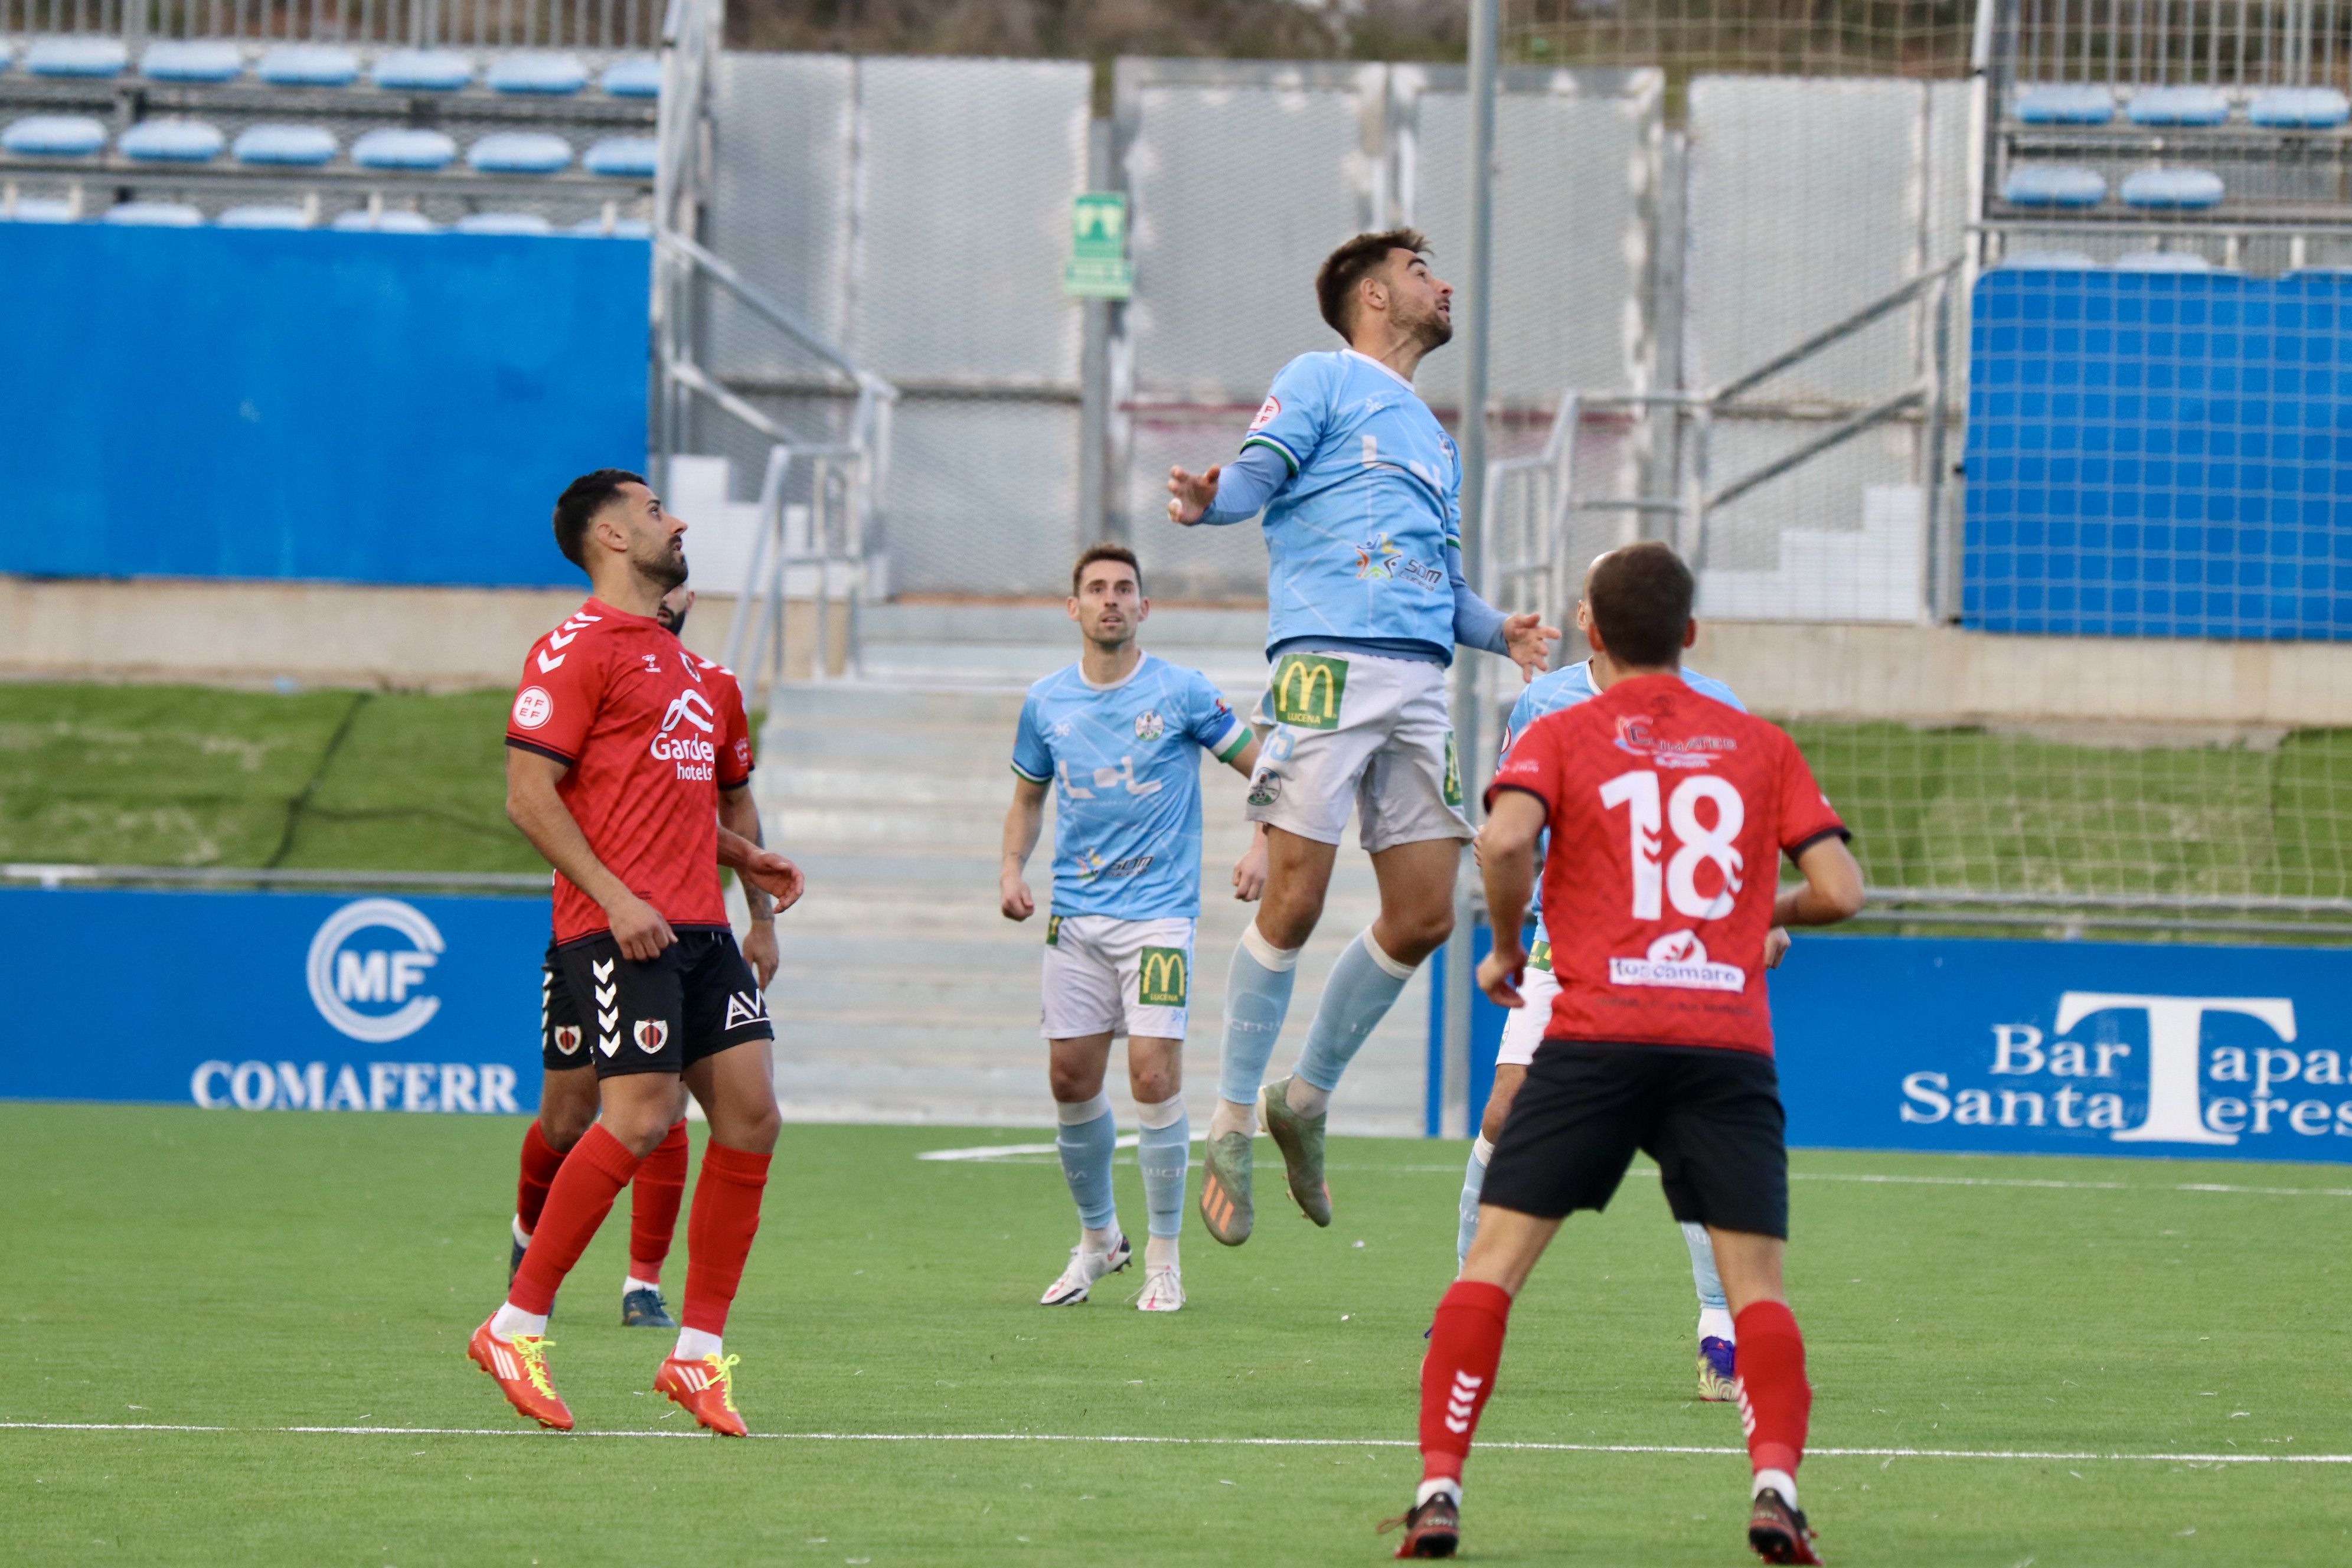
point(904, 995)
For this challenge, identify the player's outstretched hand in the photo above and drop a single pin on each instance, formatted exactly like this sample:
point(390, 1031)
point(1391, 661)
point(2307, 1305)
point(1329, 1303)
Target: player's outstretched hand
point(1249, 872)
point(1012, 896)
point(774, 876)
point(1498, 976)
point(760, 950)
point(1776, 946)
point(1190, 495)
point(1529, 642)
point(638, 929)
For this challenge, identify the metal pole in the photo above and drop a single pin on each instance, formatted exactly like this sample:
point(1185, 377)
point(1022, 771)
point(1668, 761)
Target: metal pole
point(1094, 372)
point(1478, 294)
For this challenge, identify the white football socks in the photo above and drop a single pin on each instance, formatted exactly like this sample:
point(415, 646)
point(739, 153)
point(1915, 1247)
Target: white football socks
point(1097, 1242)
point(634, 1283)
point(1160, 1252)
point(1714, 1324)
point(522, 1236)
point(1431, 1489)
point(511, 1319)
point(1780, 1481)
point(693, 1344)
point(1229, 1117)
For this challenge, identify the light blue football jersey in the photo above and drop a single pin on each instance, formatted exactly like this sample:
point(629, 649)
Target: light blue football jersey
point(1127, 784)
point(1357, 536)
point(1566, 688)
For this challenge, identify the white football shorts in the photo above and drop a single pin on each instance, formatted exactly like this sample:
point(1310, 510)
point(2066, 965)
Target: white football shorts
point(1358, 729)
point(1107, 976)
point(1524, 1028)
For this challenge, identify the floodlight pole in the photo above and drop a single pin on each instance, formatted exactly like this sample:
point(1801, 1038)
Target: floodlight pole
point(1477, 294)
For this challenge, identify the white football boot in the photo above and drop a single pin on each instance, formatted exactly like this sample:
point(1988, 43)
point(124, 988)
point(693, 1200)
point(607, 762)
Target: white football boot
point(1163, 1292)
point(1084, 1268)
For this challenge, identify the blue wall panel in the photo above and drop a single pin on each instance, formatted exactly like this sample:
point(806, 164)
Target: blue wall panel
point(2160, 455)
point(353, 407)
point(2051, 1048)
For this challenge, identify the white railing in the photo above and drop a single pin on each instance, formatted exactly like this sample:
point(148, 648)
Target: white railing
point(617, 26)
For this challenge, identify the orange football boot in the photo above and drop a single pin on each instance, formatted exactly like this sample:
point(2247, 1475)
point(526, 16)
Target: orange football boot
point(519, 1365)
point(705, 1387)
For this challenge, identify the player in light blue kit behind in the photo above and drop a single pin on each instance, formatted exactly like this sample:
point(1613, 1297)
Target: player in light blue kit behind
point(1115, 737)
point(1523, 1030)
point(1361, 490)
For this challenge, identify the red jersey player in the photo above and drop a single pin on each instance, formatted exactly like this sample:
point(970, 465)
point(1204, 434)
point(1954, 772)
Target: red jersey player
point(567, 1096)
point(1668, 813)
point(612, 771)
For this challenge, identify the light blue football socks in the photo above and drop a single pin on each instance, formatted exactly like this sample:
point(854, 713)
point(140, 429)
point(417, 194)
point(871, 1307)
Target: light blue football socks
point(1364, 985)
point(1714, 1311)
point(1257, 999)
point(1163, 1149)
point(1086, 1141)
point(1474, 1178)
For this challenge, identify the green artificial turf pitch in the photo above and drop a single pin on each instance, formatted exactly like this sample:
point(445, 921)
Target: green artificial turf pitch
point(255, 1273)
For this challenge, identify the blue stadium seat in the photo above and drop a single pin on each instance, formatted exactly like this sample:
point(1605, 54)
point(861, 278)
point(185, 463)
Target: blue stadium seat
point(2046, 262)
point(2065, 103)
point(639, 76)
point(404, 149)
point(299, 146)
point(537, 71)
point(54, 136)
point(504, 222)
point(2179, 106)
point(40, 209)
point(7, 55)
point(2187, 189)
point(2300, 108)
point(423, 71)
point(622, 156)
point(155, 214)
point(2043, 186)
point(308, 64)
point(264, 218)
point(192, 59)
point(622, 228)
point(392, 220)
point(520, 153)
point(170, 140)
point(2162, 261)
point(82, 57)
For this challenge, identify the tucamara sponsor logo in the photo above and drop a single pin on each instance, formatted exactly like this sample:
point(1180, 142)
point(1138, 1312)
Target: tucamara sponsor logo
point(2183, 1092)
point(484, 1090)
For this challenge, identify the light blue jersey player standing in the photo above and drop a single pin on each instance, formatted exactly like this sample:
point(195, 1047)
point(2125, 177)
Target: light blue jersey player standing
point(1360, 489)
point(1523, 1030)
point(1114, 737)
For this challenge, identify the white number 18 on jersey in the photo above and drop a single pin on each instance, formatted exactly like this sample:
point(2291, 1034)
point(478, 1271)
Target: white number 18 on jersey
point(1677, 878)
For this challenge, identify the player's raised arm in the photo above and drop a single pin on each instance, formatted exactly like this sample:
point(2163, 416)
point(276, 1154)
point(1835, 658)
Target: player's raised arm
point(534, 805)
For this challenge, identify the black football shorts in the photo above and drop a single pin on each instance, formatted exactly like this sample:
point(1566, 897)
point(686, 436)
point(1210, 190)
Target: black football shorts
point(562, 1041)
point(695, 999)
point(1711, 1118)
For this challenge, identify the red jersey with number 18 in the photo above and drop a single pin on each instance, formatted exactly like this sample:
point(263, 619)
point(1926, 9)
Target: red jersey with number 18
point(649, 739)
point(1669, 812)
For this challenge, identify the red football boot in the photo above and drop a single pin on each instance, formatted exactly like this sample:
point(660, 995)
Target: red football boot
point(705, 1387)
point(519, 1365)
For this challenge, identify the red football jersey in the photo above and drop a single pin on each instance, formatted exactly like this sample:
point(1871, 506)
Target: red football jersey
point(1669, 812)
point(645, 734)
point(735, 724)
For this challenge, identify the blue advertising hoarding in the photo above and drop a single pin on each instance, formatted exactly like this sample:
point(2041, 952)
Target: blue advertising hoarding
point(2052, 1047)
point(273, 1001)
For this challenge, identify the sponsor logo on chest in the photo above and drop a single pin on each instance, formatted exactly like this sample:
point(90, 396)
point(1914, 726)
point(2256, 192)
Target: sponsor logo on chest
point(684, 737)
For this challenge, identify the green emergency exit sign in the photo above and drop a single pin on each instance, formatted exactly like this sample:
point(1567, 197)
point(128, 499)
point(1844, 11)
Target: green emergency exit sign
point(1098, 268)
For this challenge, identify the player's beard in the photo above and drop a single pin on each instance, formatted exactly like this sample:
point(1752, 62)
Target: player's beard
point(1436, 330)
point(664, 568)
point(673, 620)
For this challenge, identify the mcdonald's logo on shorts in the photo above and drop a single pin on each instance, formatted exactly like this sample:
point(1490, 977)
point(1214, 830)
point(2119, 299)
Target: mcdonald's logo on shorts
point(1308, 689)
point(1161, 980)
point(1052, 931)
point(1452, 789)
point(1539, 957)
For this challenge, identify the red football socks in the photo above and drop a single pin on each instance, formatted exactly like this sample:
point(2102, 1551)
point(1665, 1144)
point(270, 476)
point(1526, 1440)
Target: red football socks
point(582, 1195)
point(539, 1164)
point(719, 1233)
point(1457, 1373)
point(654, 1199)
point(1775, 1400)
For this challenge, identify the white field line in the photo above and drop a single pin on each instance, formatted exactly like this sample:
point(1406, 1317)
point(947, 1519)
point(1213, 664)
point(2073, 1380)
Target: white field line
point(1161, 1440)
point(1126, 1140)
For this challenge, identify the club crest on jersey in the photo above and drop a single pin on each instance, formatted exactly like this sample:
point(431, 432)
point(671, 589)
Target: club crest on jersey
point(567, 1038)
point(744, 1008)
point(1148, 725)
point(1265, 788)
point(1634, 735)
point(1677, 960)
point(1266, 414)
point(651, 1033)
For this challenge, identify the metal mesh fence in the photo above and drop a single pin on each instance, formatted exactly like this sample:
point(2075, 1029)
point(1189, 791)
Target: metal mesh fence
point(1917, 39)
point(614, 25)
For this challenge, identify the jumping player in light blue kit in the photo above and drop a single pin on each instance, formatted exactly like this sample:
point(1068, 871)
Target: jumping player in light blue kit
point(1523, 1030)
point(1114, 737)
point(1361, 490)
